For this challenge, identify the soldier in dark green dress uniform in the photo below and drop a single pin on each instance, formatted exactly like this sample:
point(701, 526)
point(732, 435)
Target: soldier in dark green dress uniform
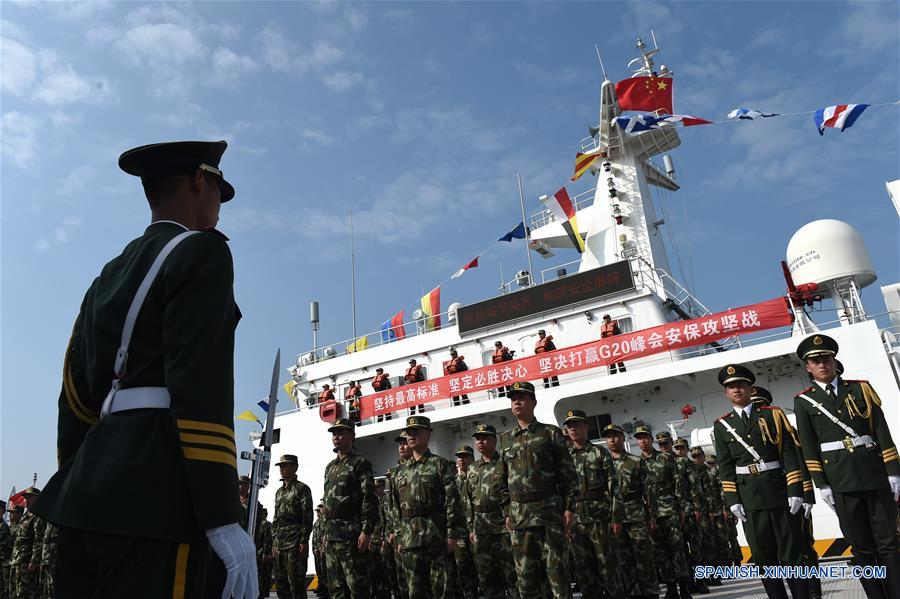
point(148, 477)
point(852, 459)
point(543, 487)
point(430, 514)
point(762, 478)
point(598, 513)
point(487, 501)
point(638, 498)
point(466, 577)
point(668, 542)
point(351, 514)
point(291, 528)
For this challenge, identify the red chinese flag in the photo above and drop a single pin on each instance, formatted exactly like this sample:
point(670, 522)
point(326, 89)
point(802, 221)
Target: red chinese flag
point(397, 325)
point(646, 94)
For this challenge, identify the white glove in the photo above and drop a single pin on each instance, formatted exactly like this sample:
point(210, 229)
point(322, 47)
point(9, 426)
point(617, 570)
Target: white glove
point(236, 550)
point(794, 504)
point(738, 510)
point(827, 496)
point(894, 481)
point(807, 509)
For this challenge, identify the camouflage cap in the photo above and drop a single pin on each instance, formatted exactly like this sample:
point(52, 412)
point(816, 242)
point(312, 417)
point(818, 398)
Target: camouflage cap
point(817, 345)
point(287, 459)
point(681, 442)
point(418, 422)
point(838, 367)
point(379, 482)
point(575, 416)
point(342, 424)
point(32, 491)
point(663, 437)
point(697, 450)
point(485, 430)
point(760, 395)
point(464, 450)
point(712, 460)
point(643, 430)
point(244, 479)
point(735, 372)
point(401, 437)
point(612, 429)
point(521, 387)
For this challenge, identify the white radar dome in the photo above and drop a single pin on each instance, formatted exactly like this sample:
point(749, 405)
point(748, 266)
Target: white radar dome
point(828, 250)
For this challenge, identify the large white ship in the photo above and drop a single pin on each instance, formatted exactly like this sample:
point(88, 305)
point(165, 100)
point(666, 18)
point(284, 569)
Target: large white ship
point(624, 272)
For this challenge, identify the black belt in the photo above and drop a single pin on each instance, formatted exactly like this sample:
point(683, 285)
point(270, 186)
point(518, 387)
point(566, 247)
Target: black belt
point(343, 514)
point(428, 512)
point(593, 494)
point(632, 496)
point(531, 496)
point(487, 509)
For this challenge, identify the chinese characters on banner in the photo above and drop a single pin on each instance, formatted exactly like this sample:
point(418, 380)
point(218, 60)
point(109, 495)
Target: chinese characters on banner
point(620, 348)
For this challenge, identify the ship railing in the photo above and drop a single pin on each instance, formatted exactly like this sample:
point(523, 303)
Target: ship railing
point(549, 274)
point(893, 335)
point(539, 218)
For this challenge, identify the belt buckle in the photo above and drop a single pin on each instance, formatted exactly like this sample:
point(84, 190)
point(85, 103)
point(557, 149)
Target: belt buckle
point(754, 469)
point(848, 444)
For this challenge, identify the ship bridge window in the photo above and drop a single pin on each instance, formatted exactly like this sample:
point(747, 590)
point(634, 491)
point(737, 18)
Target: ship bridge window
point(596, 424)
point(625, 324)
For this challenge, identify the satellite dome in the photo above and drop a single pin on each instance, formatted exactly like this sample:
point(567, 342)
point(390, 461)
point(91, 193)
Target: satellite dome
point(828, 250)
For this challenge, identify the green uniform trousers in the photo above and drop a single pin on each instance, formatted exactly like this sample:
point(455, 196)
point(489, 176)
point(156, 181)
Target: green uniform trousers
point(596, 564)
point(693, 540)
point(24, 584)
point(868, 521)
point(290, 574)
point(775, 537)
point(540, 556)
point(389, 563)
point(427, 571)
point(348, 570)
point(466, 577)
point(100, 566)
point(636, 564)
point(495, 565)
point(321, 573)
point(669, 549)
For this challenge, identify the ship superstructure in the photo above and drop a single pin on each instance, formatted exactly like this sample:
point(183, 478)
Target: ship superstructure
point(622, 231)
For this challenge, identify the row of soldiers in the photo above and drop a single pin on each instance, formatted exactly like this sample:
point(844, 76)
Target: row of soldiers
point(27, 551)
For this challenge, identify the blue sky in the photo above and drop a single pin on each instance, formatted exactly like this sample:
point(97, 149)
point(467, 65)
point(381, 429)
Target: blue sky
point(417, 116)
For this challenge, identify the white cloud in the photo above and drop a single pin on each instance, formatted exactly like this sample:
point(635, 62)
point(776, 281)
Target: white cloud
point(342, 80)
point(65, 86)
point(546, 77)
point(317, 136)
point(865, 30)
point(161, 45)
point(18, 67)
point(76, 180)
point(229, 67)
point(277, 51)
point(11, 30)
point(323, 54)
point(62, 233)
point(452, 128)
point(18, 138)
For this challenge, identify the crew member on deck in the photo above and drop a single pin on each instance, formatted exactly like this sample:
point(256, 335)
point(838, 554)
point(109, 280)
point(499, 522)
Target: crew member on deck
point(351, 398)
point(414, 374)
point(851, 457)
point(456, 364)
point(382, 382)
point(610, 328)
point(326, 394)
point(501, 354)
point(545, 344)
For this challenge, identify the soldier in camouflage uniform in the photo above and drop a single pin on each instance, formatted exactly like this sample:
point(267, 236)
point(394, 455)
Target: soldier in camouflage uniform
point(430, 517)
point(466, 576)
point(318, 550)
point(712, 550)
point(693, 536)
point(639, 504)
point(404, 453)
point(543, 487)
point(28, 542)
point(379, 575)
point(598, 512)
point(15, 517)
point(487, 502)
point(291, 528)
point(5, 549)
point(351, 514)
point(264, 557)
point(668, 542)
point(727, 523)
point(48, 561)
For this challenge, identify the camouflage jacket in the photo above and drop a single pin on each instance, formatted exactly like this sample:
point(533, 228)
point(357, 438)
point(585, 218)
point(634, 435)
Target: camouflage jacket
point(426, 500)
point(389, 514)
point(292, 523)
point(6, 542)
point(263, 539)
point(28, 541)
point(692, 498)
point(487, 496)
point(378, 533)
point(637, 496)
point(664, 477)
point(598, 485)
point(540, 475)
point(48, 550)
point(350, 505)
point(318, 536)
point(713, 490)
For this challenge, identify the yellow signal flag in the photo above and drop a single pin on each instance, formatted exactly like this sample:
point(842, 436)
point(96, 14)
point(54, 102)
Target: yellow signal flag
point(249, 416)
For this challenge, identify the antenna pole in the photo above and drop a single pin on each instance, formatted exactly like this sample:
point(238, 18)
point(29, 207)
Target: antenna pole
point(602, 68)
point(527, 234)
point(353, 276)
point(653, 35)
point(502, 282)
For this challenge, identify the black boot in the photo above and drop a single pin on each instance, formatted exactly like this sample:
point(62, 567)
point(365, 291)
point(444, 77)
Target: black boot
point(799, 588)
point(774, 588)
point(671, 591)
point(873, 587)
point(714, 582)
point(700, 587)
point(683, 589)
point(892, 573)
point(815, 588)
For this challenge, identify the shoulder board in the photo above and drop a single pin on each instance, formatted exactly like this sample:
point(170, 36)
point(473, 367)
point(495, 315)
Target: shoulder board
point(773, 408)
point(854, 381)
point(725, 415)
point(215, 231)
point(808, 389)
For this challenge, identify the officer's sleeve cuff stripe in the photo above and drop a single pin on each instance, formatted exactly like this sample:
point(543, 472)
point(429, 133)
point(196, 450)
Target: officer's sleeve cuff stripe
point(210, 427)
point(207, 440)
point(210, 455)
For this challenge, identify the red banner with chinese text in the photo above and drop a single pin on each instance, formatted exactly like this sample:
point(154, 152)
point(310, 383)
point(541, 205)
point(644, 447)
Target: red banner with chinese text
point(602, 352)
